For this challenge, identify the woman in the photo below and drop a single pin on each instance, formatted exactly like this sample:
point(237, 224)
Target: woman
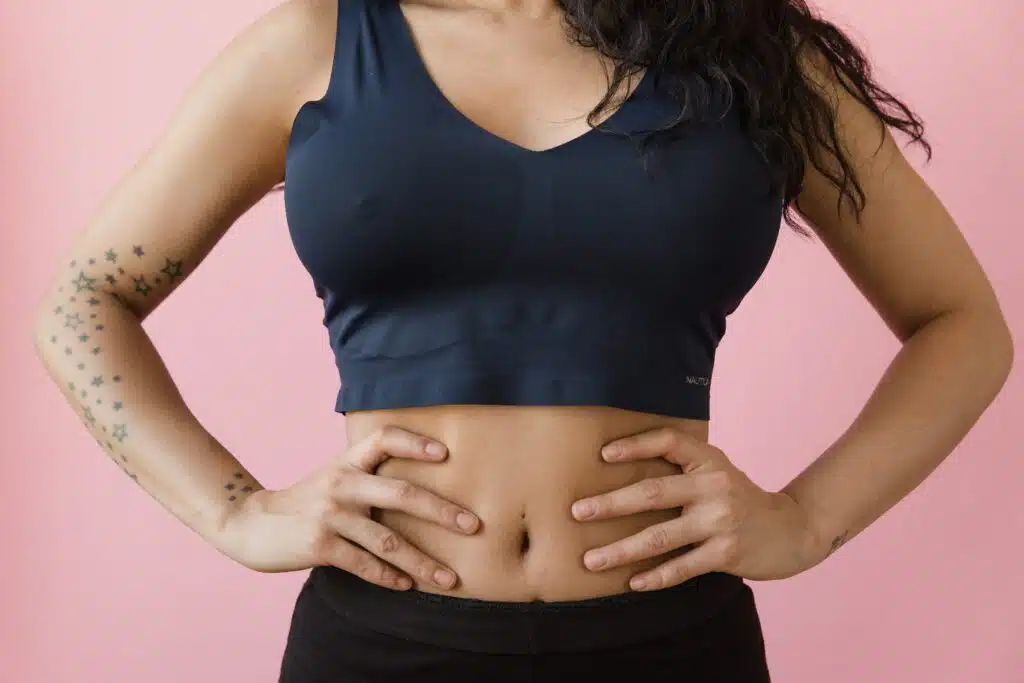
point(528, 222)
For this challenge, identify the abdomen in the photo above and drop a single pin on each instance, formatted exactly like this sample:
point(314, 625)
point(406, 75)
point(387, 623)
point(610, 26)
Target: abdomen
point(520, 468)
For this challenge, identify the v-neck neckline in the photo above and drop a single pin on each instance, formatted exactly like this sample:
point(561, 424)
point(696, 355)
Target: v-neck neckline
point(419, 65)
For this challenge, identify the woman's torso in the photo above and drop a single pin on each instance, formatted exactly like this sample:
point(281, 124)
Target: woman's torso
point(515, 93)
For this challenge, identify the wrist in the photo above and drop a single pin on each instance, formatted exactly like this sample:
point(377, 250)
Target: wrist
point(229, 535)
point(810, 547)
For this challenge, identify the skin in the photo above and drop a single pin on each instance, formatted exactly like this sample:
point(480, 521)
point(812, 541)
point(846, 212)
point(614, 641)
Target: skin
point(387, 508)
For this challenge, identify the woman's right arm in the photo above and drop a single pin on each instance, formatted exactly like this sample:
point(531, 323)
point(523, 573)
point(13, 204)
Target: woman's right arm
point(222, 151)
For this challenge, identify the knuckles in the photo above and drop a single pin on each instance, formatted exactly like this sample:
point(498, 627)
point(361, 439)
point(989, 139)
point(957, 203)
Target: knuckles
point(658, 541)
point(729, 550)
point(388, 543)
point(321, 545)
point(363, 566)
point(673, 575)
point(652, 490)
point(338, 477)
point(672, 437)
point(718, 483)
point(722, 516)
point(403, 491)
point(325, 513)
point(380, 435)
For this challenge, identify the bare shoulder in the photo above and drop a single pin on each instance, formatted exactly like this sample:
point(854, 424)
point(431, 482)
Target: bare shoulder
point(305, 31)
point(290, 47)
point(221, 151)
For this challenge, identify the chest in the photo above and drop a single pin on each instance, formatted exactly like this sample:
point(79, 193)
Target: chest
point(389, 214)
point(396, 187)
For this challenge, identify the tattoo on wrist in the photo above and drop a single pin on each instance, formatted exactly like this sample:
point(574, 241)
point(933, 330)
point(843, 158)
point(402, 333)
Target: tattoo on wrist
point(240, 486)
point(838, 541)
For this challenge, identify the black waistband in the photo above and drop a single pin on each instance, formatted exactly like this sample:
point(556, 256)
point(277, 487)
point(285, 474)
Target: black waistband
point(526, 627)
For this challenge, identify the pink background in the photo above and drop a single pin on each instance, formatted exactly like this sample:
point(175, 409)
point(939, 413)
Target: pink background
point(98, 583)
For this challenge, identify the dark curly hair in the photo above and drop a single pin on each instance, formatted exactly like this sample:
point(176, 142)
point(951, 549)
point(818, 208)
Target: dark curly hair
point(756, 53)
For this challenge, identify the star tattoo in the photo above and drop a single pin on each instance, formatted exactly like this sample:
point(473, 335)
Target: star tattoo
point(173, 270)
point(141, 286)
point(83, 282)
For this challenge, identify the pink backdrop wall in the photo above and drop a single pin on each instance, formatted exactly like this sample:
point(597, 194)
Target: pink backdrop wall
point(97, 583)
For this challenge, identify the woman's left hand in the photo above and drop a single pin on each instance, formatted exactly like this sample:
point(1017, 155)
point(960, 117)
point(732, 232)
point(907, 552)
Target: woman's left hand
point(734, 525)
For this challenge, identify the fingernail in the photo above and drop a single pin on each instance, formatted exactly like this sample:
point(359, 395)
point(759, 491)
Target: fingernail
point(404, 583)
point(435, 449)
point(611, 452)
point(466, 521)
point(638, 583)
point(444, 578)
point(583, 509)
point(595, 560)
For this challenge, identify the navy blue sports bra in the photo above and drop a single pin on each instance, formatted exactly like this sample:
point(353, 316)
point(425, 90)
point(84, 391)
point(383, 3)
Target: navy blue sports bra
point(456, 267)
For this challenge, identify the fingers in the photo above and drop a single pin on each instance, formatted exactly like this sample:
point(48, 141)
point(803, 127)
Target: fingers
point(655, 540)
point(712, 555)
point(375, 552)
point(367, 454)
point(337, 552)
point(656, 493)
point(394, 550)
point(397, 494)
point(670, 443)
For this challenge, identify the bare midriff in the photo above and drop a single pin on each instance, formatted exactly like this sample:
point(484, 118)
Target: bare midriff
point(520, 468)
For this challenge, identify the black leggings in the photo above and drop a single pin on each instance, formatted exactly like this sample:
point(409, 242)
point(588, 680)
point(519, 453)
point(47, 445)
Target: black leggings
point(346, 630)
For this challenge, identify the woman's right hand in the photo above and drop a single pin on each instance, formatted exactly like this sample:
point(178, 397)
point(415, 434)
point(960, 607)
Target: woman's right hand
point(324, 519)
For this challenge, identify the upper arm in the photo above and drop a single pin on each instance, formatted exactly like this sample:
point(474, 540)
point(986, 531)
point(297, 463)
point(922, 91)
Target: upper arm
point(905, 253)
point(223, 149)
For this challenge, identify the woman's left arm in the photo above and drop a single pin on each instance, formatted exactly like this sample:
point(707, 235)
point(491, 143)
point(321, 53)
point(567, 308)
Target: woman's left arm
point(909, 259)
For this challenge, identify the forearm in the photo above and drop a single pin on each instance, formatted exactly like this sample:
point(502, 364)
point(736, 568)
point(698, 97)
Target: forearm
point(100, 357)
point(931, 395)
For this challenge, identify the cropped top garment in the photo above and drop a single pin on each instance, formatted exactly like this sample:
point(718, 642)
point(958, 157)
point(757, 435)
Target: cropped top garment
point(456, 267)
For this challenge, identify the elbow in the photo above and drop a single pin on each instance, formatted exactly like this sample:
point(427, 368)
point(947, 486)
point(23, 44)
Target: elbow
point(44, 334)
point(982, 337)
point(995, 339)
point(1000, 337)
point(1008, 347)
point(47, 324)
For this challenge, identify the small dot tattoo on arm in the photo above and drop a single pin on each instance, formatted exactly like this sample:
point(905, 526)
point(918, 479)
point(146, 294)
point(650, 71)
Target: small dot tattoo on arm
point(238, 486)
point(838, 541)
